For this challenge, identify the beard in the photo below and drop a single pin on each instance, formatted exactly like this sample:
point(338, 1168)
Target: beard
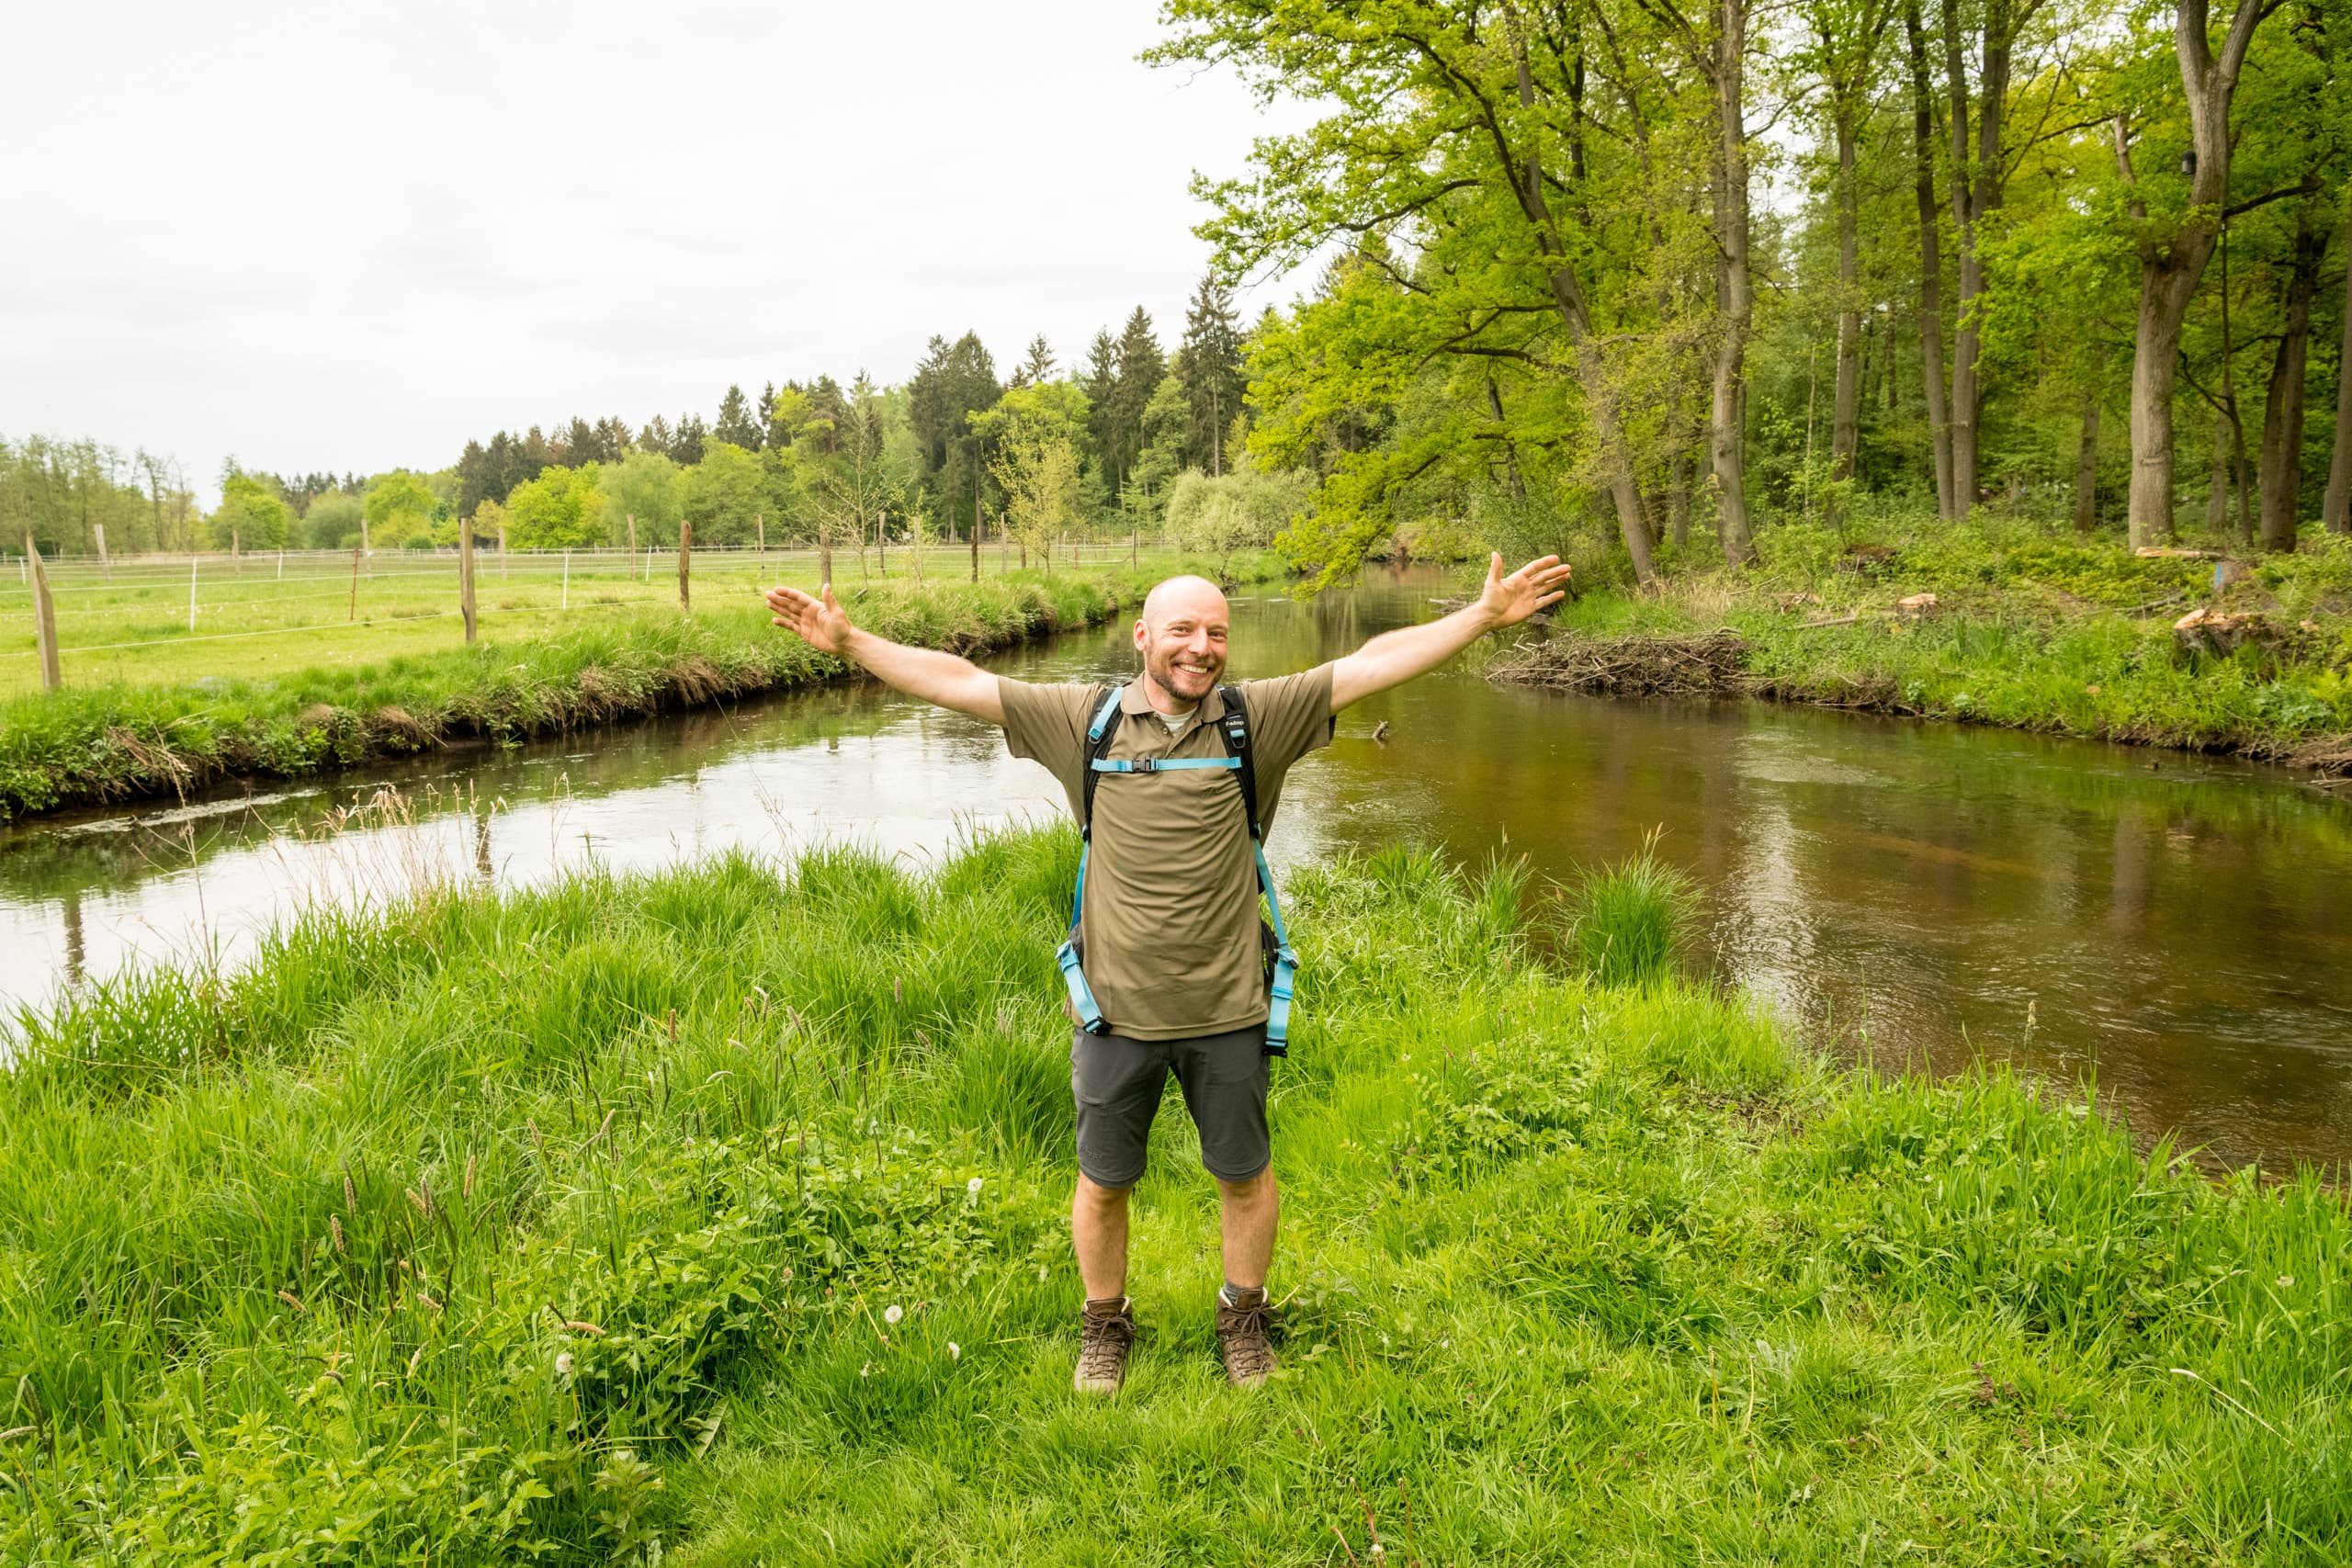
point(1185, 685)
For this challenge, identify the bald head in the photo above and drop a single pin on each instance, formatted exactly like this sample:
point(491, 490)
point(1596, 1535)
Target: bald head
point(1181, 638)
point(1189, 597)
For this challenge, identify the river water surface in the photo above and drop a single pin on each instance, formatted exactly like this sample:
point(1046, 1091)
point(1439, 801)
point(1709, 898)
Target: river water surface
point(2181, 927)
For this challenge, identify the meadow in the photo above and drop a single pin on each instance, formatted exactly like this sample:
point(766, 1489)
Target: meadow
point(718, 1217)
point(169, 729)
point(262, 615)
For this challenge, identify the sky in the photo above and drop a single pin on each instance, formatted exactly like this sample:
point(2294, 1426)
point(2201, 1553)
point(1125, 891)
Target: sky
point(348, 238)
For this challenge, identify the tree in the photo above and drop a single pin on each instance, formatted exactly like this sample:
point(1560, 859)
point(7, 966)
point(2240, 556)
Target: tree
point(2176, 224)
point(1209, 368)
point(725, 494)
point(558, 510)
point(1037, 366)
point(1242, 510)
point(1036, 464)
point(735, 425)
point(251, 514)
point(332, 521)
point(399, 506)
point(646, 486)
point(953, 383)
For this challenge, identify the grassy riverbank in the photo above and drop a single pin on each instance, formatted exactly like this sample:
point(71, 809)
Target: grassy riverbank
point(2032, 627)
point(726, 1212)
point(131, 741)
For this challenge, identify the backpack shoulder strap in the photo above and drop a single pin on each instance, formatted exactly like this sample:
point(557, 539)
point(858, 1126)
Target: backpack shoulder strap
point(1234, 727)
point(1099, 734)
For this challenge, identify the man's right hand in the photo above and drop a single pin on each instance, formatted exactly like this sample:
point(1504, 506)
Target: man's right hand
point(820, 622)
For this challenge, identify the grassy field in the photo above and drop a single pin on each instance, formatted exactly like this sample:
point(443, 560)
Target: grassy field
point(264, 617)
point(2032, 627)
point(144, 739)
point(719, 1218)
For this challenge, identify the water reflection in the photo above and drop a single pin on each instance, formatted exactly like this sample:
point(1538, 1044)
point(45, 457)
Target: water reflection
point(2180, 924)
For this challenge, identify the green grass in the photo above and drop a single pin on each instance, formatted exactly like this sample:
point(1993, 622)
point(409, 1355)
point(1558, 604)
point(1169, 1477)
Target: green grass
point(300, 1263)
point(2032, 630)
point(130, 740)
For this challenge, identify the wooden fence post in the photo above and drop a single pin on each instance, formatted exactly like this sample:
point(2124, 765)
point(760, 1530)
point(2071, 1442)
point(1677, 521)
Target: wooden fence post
point(685, 555)
point(760, 521)
point(354, 589)
point(502, 552)
point(465, 574)
point(632, 533)
point(44, 617)
point(882, 542)
point(824, 557)
point(976, 538)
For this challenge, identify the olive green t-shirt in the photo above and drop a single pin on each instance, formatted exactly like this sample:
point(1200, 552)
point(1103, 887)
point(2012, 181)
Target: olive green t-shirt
point(1171, 914)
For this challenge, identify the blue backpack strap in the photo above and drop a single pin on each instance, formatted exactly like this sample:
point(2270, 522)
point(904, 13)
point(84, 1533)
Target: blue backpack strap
point(1099, 734)
point(1235, 729)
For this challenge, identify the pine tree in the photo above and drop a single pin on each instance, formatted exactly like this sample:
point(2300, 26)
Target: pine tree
point(1210, 367)
point(735, 424)
point(1141, 369)
point(1038, 367)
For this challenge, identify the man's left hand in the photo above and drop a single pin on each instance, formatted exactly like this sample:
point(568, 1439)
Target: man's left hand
point(1507, 601)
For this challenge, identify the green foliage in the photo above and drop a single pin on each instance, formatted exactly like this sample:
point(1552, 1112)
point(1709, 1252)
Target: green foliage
point(1242, 510)
point(563, 508)
point(333, 522)
point(645, 485)
point(1630, 920)
point(400, 506)
point(726, 494)
point(251, 514)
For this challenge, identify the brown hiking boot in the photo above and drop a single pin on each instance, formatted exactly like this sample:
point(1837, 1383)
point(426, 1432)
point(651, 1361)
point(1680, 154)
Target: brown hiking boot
point(1105, 1329)
point(1243, 1321)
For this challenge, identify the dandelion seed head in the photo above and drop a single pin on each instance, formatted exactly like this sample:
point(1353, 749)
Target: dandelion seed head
point(563, 1364)
point(892, 1313)
point(973, 1187)
point(2285, 1280)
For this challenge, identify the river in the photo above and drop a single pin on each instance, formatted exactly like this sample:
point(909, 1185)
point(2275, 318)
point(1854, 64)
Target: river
point(1925, 895)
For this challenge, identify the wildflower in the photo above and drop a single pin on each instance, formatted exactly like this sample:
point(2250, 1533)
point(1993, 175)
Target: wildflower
point(564, 1363)
point(891, 1314)
point(2285, 1280)
point(973, 1187)
point(955, 1351)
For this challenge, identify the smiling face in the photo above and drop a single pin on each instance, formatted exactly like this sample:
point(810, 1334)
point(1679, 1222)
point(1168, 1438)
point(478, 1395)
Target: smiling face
point(1181, 638)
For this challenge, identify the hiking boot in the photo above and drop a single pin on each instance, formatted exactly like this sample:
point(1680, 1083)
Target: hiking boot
point(1244, 1319)
point(1105, 1329)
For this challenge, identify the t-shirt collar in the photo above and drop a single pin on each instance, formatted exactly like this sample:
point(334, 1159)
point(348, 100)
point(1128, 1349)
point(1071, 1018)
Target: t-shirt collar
point(1132, 703)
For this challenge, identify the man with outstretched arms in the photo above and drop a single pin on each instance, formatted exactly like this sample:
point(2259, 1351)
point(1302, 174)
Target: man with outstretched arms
point(1168, 969)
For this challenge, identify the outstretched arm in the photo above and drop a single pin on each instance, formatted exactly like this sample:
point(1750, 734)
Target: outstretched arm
point(941, 678)
point(1393, 658)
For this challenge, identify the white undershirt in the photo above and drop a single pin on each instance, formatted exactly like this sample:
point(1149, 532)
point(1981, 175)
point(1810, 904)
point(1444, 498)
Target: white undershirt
point(1176, 721)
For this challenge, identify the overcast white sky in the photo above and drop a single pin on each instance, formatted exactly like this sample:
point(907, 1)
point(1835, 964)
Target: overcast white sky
point(349, 237)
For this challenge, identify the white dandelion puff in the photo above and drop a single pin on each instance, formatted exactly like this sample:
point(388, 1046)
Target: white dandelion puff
point(563, 1364)
point(892, 1313)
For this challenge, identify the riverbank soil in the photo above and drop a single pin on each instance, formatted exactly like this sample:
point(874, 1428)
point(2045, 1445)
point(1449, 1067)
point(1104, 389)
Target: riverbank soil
point(1997, 623)
point(720, 1217)
point(132, 741)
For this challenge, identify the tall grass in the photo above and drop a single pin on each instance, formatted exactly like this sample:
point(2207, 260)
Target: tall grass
point(569, 1225)
point(1628, 920)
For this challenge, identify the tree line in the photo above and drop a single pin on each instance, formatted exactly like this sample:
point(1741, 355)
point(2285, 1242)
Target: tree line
point(2037, 246)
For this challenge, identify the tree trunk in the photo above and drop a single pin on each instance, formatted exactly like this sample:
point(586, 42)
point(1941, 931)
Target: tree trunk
point(1975, 191)
point(1526, 173)
point(1931, 267)
point(2282, 406)
point(2335, 511)
point(2217, 494)
point(2086, 468)
point(1845, 430)
point(1727, 414)
point(2171, 264)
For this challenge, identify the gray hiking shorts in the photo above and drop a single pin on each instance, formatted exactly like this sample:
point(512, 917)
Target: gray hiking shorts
point(1117, 1083)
